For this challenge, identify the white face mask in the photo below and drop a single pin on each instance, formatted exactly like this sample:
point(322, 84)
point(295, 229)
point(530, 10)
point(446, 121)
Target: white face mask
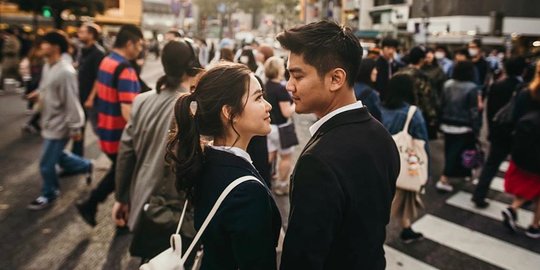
point(439, 55)
point(500, 56)
point(473, 52)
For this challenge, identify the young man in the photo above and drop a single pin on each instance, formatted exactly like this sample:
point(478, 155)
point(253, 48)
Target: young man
point(62, 118)
point(115, 93)
point(386, 64)
point(88, 62)
point(500, 137)
point(344, 180)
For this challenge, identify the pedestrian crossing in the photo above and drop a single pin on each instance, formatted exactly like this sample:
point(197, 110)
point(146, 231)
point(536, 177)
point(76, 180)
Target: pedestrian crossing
point(480, 244)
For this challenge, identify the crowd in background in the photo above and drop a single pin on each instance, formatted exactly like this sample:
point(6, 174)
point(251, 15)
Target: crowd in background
point(450, 92)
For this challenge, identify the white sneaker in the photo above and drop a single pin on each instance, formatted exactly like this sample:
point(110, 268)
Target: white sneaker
point(445, 187)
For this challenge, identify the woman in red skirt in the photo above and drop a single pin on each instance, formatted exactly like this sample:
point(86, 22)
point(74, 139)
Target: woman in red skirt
point(523, 176)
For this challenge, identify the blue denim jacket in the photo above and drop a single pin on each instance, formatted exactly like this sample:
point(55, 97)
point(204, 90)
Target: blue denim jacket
point(394, 120)
point(372, 101)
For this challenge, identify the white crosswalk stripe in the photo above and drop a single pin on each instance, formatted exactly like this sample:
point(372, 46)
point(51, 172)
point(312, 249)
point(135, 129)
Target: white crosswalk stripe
point(504, 166)
point(463, 200)
point(476, 244)
point(396, 260)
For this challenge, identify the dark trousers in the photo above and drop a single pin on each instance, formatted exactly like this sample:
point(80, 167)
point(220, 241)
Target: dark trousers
point(105, 187)
point(497, 154)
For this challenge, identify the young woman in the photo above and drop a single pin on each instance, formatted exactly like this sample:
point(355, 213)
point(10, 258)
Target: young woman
point(228, 107)
point(523, 179)
point(460, 121)
point(364, 87)
point(282, 111)
point(140, 158)
point(399, 97)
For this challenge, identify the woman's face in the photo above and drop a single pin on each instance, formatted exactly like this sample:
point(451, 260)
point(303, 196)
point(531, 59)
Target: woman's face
point(373, 76)
point(255, 118)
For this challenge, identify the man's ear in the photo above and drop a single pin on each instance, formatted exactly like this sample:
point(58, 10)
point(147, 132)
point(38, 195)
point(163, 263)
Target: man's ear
point(338, 78)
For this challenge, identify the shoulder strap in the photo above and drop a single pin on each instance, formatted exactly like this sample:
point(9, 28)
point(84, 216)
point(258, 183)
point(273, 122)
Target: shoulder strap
point(412, 110)
point(220, 200)
point(117, 71)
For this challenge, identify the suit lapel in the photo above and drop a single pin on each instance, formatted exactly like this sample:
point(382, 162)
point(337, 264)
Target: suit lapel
point(344, 118)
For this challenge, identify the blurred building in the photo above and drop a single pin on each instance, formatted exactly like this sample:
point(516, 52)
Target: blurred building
point(458, 21)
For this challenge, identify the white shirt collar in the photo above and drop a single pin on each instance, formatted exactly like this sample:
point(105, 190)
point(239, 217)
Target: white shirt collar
point(313, 129)
point(235, 151)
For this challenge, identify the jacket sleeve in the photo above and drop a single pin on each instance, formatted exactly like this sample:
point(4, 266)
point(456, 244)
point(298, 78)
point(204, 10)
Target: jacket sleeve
point(126, 160)
point(317, 203)
point(70, 95)
point(474, 114)
point(249, 221)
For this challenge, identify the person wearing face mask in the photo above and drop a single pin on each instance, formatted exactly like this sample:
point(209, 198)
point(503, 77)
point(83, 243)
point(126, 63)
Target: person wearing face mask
point(482, 67)
point(443, 58)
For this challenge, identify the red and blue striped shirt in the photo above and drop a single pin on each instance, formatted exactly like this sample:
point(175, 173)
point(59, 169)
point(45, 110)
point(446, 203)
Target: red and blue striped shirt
point(108, 100)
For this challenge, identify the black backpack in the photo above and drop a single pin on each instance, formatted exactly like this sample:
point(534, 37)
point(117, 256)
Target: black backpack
point(526, 148)
point(116, 77)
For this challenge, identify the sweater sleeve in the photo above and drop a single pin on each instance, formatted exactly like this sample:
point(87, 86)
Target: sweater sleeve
point(70, 97)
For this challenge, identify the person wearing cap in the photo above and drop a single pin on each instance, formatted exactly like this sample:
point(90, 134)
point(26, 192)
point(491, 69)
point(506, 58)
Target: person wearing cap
point(143, 177)
point(387, 65)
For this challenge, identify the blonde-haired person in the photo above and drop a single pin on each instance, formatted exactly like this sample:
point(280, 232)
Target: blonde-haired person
point(282, 111)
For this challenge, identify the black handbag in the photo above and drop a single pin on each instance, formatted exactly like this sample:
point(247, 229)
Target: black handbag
point(287, 135)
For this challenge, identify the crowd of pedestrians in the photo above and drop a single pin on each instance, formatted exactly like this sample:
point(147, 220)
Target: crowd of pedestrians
point(222, 112)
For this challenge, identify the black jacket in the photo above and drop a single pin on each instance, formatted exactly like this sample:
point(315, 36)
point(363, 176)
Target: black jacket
point(499, 95)
point(245, 230)
point(342, 190)
point(89, 60)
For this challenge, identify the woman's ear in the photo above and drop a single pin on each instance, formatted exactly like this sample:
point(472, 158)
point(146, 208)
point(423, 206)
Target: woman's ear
point(226, 113)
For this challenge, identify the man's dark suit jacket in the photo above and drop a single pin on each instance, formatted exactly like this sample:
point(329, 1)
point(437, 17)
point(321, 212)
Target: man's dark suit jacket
point(342, 190)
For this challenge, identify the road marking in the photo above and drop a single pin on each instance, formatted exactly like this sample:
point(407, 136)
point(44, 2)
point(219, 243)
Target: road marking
point(504, 166)
point(475, 244)
point(496, 184)
point(463, 200)
point(396, 260)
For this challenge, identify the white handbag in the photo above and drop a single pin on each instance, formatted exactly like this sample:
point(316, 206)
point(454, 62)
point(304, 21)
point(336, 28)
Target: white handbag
point(172, 258)
point(413, 157)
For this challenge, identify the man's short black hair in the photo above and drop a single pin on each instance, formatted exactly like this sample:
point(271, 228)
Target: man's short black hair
point(477, 42)
point(463, 71)
point(128, 32)
point(93, 29)
point(58, 38)
point(390, 42)
point(515, 66)
point(416, 55)
point(463, 51)
point(325, 45)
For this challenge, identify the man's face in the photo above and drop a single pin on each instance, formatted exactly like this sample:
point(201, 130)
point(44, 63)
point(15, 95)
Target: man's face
point(388, 52)
point(47, 49)
point(84, 35)
point(309, 91)
point(134, 48)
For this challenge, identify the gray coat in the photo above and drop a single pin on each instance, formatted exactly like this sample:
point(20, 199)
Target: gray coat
point(141, 170)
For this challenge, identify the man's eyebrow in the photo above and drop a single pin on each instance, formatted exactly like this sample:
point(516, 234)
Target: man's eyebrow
point(295, 69)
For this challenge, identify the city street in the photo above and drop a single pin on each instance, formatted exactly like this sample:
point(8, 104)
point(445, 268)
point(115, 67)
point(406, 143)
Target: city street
point(457, 235)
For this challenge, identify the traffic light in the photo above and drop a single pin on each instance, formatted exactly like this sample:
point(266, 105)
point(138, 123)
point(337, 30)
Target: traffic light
point(47, 12)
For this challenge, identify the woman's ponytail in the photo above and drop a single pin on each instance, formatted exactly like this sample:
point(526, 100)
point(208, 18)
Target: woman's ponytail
point(184, 148)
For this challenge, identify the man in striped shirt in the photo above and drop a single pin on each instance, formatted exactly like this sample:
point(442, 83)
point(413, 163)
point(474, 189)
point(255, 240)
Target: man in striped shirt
point(117, 86)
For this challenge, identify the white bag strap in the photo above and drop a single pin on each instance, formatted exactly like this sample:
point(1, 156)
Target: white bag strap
point(216, 206)
point(410, 114)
